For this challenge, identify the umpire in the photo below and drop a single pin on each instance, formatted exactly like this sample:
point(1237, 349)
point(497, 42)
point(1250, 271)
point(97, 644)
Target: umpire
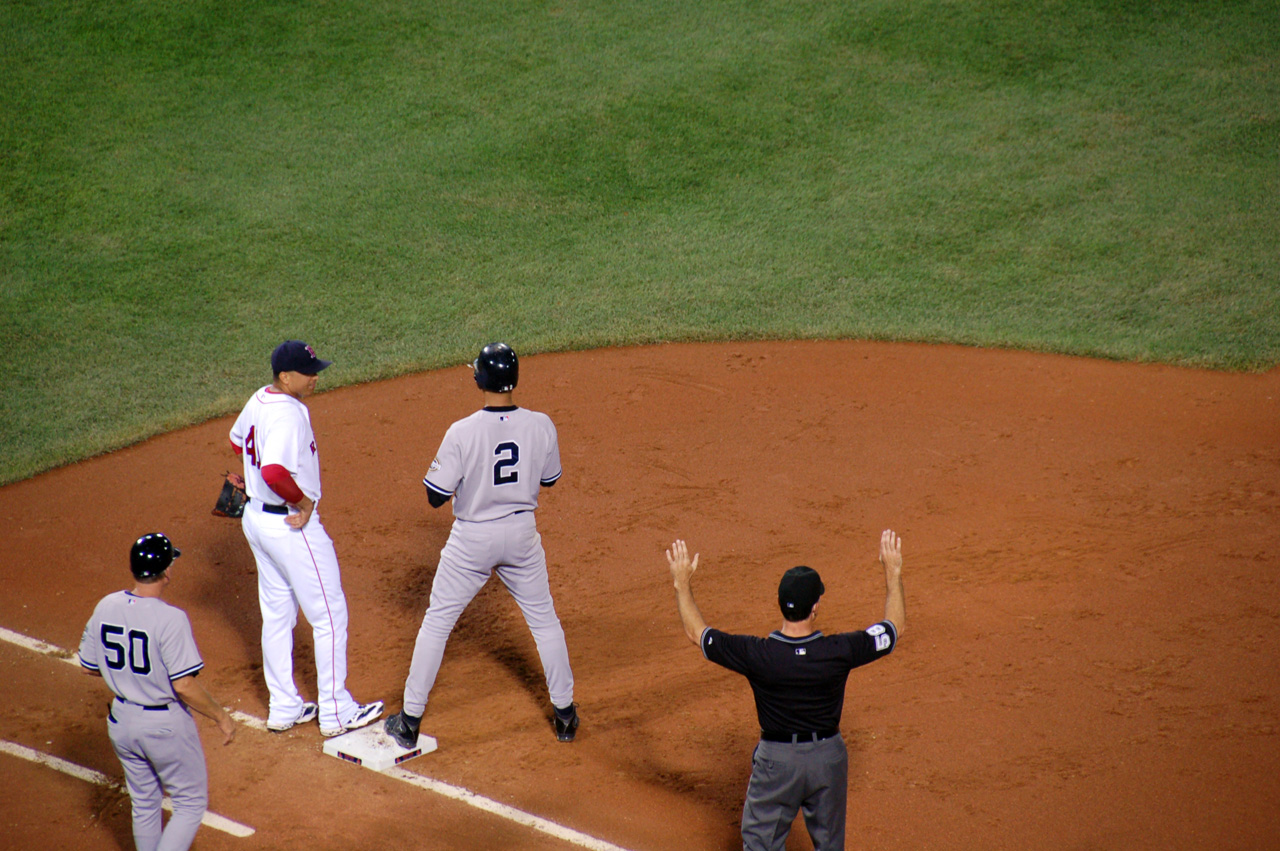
point(798, 676)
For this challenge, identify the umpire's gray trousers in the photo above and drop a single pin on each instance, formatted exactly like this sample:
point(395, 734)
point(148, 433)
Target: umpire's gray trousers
point(787, 777)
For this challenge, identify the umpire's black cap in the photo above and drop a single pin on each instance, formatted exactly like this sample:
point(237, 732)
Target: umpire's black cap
point(799, 589)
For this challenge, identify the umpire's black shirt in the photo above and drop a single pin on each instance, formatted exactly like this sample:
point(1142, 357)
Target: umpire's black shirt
point(799, 682)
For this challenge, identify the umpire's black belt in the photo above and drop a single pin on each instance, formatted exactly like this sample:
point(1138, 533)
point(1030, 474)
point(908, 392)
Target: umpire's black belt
point(159, 707)
point(274, 509)
point(796, 738)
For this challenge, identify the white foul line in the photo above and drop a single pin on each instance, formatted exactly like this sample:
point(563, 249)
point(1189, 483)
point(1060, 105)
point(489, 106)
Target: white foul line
point(480, 802)
point(456, 793)
point(38, 646)
point(248, 720)
point(61, 655)
point(213, 820)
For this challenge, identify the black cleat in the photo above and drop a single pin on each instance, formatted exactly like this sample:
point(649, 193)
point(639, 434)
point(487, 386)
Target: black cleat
point(403, 730)
point(566, 725)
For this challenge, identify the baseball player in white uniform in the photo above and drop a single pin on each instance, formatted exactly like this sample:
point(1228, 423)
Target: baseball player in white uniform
point(493, 465)
point(297, 564)
point(144, 650)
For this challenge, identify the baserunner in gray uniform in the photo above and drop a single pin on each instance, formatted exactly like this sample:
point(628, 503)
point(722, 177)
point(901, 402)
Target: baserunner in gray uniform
point(492, 464)
point(144, 650)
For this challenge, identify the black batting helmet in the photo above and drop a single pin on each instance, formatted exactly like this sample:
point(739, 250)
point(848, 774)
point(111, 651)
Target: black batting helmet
point(497, 369)
point(151, 556)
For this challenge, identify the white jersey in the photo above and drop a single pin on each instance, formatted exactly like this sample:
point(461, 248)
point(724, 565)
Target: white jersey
point(494, 462)
point(275, 428)
point(139, 645)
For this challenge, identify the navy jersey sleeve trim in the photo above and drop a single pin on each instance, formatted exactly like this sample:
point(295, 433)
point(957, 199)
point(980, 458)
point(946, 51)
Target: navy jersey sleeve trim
point(88, 666)
point(546, 483)
point(189, 672)
point(702, 642)
point(436, 489)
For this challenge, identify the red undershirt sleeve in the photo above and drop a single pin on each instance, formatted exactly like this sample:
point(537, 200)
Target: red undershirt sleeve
point(236, 449)
point(279, 480)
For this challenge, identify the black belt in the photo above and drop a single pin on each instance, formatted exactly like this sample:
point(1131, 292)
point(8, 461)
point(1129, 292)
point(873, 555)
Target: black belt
point(274, 509)
point(159, 707)
point(796, 738)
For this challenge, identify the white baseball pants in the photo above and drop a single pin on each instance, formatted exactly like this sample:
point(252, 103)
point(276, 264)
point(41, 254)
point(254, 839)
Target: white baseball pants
point(299, 568)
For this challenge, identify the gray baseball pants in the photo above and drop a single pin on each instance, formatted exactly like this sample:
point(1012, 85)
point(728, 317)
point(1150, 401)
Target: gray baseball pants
point(512, 548)
point(161, 752)
point(785, 778)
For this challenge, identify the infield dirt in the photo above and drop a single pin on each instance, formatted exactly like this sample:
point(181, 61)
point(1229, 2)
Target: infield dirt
point(1093, 600)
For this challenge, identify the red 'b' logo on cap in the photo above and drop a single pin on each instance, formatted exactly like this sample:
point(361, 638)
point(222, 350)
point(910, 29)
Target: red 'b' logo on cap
point(310, 350)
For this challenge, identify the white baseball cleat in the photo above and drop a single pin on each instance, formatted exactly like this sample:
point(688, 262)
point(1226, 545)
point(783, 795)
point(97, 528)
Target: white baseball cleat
point(308, 713)
point(365, 714)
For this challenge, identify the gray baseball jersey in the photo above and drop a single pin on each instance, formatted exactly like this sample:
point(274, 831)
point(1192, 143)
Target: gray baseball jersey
point(494, 462)
point(140, 645)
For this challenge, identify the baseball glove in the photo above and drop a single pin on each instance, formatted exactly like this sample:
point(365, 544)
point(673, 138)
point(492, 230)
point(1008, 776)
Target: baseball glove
point(232, 499)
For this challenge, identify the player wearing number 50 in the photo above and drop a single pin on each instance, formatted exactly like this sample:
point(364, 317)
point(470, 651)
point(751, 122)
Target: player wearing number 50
point(297, 564)
point(493, 465)
point(798, 676)
point(144, 650)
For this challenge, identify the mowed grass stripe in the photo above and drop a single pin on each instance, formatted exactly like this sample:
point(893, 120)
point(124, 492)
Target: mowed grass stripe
point(182, 186)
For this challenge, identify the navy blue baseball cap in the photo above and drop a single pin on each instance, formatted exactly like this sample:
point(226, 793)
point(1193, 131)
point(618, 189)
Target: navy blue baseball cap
point(799, 589)
point(296, 356)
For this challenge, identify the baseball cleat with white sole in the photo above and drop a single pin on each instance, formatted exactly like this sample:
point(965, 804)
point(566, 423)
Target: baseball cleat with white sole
point(308, 713)
point(365, 714)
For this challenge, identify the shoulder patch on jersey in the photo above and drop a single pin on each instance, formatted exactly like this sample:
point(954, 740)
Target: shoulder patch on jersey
point(435, 465)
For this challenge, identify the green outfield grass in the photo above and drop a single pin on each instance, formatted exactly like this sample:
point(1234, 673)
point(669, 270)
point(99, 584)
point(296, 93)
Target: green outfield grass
point(183, 185)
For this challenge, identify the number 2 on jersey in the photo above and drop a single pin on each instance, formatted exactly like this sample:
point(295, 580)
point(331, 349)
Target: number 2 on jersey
point(508, 455)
